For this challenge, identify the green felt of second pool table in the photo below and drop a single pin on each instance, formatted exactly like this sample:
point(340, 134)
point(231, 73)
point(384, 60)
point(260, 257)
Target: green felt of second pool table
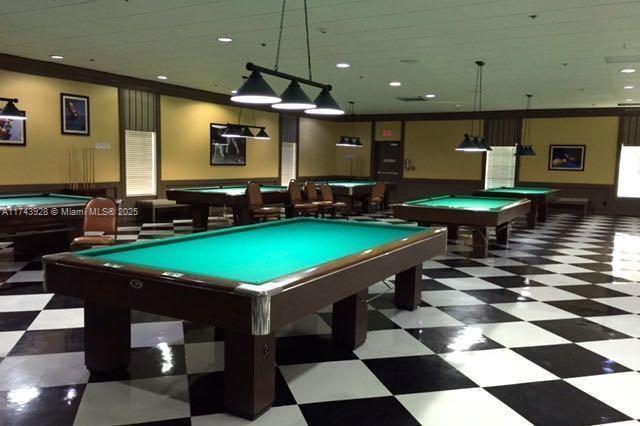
point(256, 254)
point(464, 202)
point(351, 183)
point(522, 190)
point(40, 200)
point(235, 189)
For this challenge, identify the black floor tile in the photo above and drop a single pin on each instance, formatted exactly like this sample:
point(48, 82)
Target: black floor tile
point(524, 270)
point(157, 361)
point(595, 277)
point(460, 263)
point(53, 406)
point(206, 393)
point(385, 301)
point(185, 421)
point(599, 257)
point(513, 281)
point(417, 374)
point(450, 339)
point(307, 349)
point(579, 330)
point(478, 314)
point(200, 333)
point(60, 301)
point(444, 273)
point(14, 321)
point(34, 287)
point(375, 321)
point(586, 307)
point(569, 360)
point(534, 260)
point(428, 285)
point(140, 316)
point(593, 291)
point(555, 403)
point(497, 296)
point(374, 411)
point(49, 342)
point(597, 267)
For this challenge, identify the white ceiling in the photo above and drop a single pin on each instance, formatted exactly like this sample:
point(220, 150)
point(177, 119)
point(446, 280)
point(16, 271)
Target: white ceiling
point(178, 38)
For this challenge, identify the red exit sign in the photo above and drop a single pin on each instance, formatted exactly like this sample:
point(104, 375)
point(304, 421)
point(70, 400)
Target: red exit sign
point(387, 133)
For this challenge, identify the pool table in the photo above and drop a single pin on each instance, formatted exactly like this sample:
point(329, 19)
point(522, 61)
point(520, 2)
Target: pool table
point(539, 198)
point(41, 222)
point(477, 212)
point(201, 198)
point(357, 190)
point(248, 280)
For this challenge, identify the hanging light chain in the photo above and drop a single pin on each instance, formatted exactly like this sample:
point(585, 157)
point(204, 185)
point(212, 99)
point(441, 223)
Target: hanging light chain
point(306, 25)
point(526, 122)
point(284, 3)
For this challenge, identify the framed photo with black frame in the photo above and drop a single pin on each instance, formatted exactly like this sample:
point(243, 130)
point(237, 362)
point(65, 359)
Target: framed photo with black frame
point(13, 132)
point(226, 151)
point(74, 114)
point(567, 157)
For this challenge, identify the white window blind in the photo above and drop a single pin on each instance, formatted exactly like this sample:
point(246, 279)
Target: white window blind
point(501, 167)
point(140, 163)
point(288, 163)
point(629, 174)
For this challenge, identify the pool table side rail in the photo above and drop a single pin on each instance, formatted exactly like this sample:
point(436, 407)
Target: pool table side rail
point(219, 199)
point(454, 216)
point(221, 284)
point(535, 197)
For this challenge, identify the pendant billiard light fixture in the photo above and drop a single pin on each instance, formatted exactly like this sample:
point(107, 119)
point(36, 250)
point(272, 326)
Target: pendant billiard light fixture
point(257, 91)
point(232, 131)
point(471, 143)
point(262, 135)
point(10, 111)
point(351, 141)
point(523, 150)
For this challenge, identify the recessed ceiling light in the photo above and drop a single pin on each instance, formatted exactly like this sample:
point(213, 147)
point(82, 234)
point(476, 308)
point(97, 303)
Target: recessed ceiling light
point(56, 57)
point(225, 39)
point(395, 84)
point(234, 91)
point(430, 95)
point(629, 87)
point(343, 65)
point(628, 70)
point(628, 100)
point(162, 77)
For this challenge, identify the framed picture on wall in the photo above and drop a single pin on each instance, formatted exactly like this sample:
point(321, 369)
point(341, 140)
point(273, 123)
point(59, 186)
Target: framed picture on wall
point(74, 114)
point(13, 132)
point(226, 151)
point(567, 157)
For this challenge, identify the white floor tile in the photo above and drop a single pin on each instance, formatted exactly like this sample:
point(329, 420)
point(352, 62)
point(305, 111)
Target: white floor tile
point(8, 340)
point(485, 271)
point(576, 252)
point(204, 357)
point(58, 318)
point(11, 266)
point(443, 408)
point(573, 260)
point(311, 324)
point(520, 334)
point(629, 304)
point(563, 268)
point(544, 294)
point(134, 401)
point(153, 333)
point(330, 381)
point(622, 351)
point(390, 343)
point(432, 264)
point(499, 261)
point(495, 367)
point(534, 311)
point(24, 302)
point(449, 298)
point(619, 390)
point(555, 280)
point(627, 324)
point(471, 283)
point(420, 318)
point(43, 370)
point(281, 416)
point(25, 277)
point(624, 287)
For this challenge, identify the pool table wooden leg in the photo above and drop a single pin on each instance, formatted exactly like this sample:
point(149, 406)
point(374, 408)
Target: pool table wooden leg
point(542, 212)
point(249, 373)
point(349, 321)
point(408, 288)
point(107, 337)
point(502, 233)
point(241, 215)
point(452, 232)
point(200, 215)
point(479, 242)
point(532, 216)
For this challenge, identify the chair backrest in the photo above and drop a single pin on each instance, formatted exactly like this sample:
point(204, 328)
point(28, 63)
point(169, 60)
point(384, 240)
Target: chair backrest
point(378, 190)
point(101, 215)
point(311, 191)
point(254, 196)
point(294, 191)
point(327, 193)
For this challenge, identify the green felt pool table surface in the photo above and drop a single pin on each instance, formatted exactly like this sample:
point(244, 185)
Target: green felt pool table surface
point(40, 200)
point(351, 183)
point(234, 189)
point(256, 254)
point(464, 203)
point(521, 190)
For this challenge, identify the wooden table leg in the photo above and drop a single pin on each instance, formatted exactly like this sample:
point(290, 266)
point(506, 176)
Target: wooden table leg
point(249, 373)
point(409, 288)
point(241, 215)
point(200, 215)
point(502, 233)
point(107, 337)
point(452, 232)
point(479, 242)
point(349, 322)
point(542, 212)
point(532, 216)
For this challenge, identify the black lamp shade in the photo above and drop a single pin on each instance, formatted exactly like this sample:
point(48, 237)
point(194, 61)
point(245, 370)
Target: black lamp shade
point(468, 145)
point(484, 144)
point(262, 135)
point(10, 112)
point(344, 141)
point(294, 98)
point(232, 131)
point(356, 142)
point(246, 132)
point(325, 105)
point(256, 91)
point(528, 151)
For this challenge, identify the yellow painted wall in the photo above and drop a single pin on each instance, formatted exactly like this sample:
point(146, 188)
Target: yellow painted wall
point(394, 126)
point(430, 145)
point(599, 134)
point(185, 141)
point(45, 158)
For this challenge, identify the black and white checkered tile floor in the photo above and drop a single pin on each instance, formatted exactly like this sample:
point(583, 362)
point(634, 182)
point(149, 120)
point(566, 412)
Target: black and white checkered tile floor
point(542, 332)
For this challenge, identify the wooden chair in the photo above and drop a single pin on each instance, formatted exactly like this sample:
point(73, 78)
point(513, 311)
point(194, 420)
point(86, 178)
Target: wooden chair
point(327, 195)
point(298, 205)
point(257, 209)
point(312, 196)
point(100, 215)
point(377, 196)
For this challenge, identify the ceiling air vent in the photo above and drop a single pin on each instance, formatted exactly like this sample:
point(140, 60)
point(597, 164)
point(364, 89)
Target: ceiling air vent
point(413, 99)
